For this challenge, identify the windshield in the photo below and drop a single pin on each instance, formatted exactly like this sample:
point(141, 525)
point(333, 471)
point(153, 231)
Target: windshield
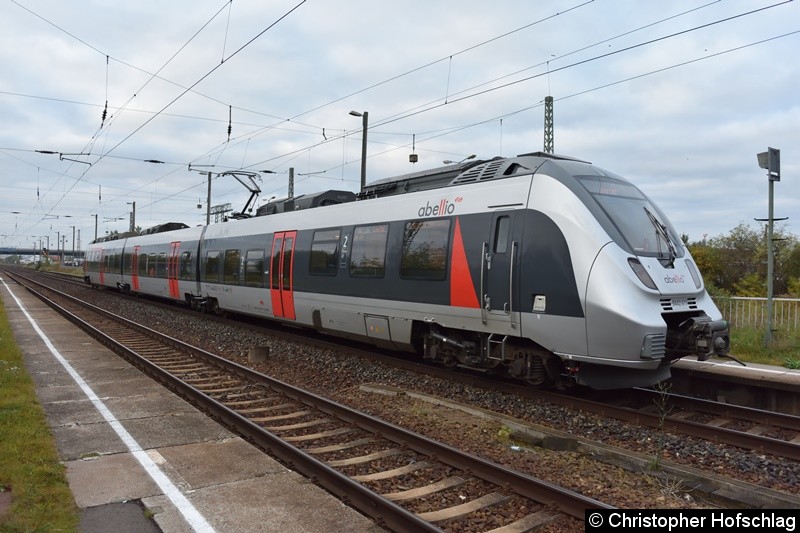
point(645, 229)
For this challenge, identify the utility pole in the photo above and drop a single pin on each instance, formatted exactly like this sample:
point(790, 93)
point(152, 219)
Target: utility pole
point(364, 127)
point(133, 217)
point(549, 141)
point(771, 161)
point(291, 182)
point(208, 201)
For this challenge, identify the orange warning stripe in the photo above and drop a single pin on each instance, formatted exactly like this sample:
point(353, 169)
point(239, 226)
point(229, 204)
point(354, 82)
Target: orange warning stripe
point(462, 290)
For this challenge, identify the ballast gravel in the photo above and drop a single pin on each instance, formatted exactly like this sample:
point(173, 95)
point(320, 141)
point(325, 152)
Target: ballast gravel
point(331, 374)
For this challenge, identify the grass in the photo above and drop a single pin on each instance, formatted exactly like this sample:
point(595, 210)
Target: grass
point(29, 467)
point(747, 344)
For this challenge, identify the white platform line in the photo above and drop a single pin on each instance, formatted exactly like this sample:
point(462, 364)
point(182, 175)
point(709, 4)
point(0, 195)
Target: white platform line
point(189, 512)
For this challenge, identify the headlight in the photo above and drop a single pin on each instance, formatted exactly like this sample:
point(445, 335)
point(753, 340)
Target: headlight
point(641, 273)
point(695, 274)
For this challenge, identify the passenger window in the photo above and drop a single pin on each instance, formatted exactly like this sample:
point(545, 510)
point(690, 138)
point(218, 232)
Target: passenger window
point(142, 265)
point(151, 265)
point(425, 244)
point(231, 270)
point(254, 268)
point(368, 256)
point(324, 251)
point(161, 269)
point(186, 266)
point(501, 232)
point(212, 267)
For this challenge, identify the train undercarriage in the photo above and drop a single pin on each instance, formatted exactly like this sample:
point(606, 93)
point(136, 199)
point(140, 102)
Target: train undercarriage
point(493, 353)
point(687, 334)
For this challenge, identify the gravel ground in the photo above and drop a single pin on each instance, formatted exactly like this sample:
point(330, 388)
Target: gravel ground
point(337, 376)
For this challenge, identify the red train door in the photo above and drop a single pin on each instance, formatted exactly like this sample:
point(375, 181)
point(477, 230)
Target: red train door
point(135, 268)
point(172, 270)
point(281, 274)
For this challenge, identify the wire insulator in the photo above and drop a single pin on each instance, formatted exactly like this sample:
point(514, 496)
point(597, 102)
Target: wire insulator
point(230, 113)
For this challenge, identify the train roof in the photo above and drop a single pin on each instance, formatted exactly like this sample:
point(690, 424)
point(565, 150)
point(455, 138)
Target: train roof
point(460, 174)
point(434, 178)
point(160, 228)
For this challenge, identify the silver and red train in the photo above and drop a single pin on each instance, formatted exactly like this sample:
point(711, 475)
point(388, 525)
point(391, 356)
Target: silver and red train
point(547, 268)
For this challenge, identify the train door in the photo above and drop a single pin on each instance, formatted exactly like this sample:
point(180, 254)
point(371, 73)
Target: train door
point(500, 259)
point(172, 270)
point(281, 274)
point(135, 268)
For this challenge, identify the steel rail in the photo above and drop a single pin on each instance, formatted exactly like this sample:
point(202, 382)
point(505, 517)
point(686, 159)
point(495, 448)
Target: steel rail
point(382, 510)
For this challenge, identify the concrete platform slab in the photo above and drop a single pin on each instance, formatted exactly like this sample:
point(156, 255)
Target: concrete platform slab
point(214, 463)
point(197, 471)
point(108, 479)
point(278, 502)
point(86, 440)
point(126, 517)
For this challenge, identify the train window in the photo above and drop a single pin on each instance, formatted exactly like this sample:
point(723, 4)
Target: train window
point(288, 249)
point(425, 245)
point(161, 266)
point(644, 229)
point(501, 228)
point(128, 263)
point(186, 266)
point(143, 264)
point(231, 267)
point(324, 251)
point(212, 267)
point(254, 268)
point(276, 263)
point(151, 265)
point(368, 256)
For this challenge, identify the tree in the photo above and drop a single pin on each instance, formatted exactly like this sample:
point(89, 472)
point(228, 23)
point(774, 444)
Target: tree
point(736, 263)
point(709, 263)
point(740, 253)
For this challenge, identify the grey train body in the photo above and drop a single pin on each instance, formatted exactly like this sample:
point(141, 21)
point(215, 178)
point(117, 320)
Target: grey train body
point(541, 267)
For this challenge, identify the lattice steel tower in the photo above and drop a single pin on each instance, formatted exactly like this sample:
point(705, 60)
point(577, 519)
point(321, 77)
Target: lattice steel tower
point(549, 144)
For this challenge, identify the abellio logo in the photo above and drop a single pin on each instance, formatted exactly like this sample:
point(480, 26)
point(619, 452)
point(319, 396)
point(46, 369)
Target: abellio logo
point(444, 207)
point(677, 278)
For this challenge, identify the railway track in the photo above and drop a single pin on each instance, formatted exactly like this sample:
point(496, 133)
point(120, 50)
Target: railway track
point(404, 481)
point(759, 430)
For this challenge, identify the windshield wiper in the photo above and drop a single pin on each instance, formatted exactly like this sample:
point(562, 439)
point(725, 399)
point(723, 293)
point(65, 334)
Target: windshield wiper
point(661, 231)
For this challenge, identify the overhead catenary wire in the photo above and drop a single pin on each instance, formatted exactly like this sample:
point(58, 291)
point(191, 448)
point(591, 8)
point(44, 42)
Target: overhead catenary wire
point(94, 136)
point(447, 94)
point(211, 71)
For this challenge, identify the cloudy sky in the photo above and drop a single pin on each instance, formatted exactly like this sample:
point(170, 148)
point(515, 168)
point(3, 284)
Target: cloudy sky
point(677, 96)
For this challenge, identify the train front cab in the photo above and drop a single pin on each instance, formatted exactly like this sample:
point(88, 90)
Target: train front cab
point(645, 301)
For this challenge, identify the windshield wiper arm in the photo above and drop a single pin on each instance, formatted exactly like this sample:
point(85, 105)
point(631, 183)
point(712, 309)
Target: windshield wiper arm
point(661, 230)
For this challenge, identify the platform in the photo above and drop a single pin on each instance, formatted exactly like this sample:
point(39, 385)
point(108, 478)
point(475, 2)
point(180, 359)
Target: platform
point(140, 458)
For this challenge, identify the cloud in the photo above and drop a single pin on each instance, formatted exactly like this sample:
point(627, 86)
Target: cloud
point(684, 128)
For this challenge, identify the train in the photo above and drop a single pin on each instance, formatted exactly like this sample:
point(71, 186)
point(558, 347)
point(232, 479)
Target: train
point(539, 267)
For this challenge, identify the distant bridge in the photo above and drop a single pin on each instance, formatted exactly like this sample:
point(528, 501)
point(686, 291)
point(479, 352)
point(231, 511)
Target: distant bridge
point(37, 251)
